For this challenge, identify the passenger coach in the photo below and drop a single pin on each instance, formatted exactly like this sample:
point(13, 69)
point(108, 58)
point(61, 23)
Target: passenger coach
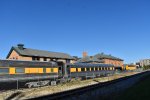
point(86, 70)
point(35, 73)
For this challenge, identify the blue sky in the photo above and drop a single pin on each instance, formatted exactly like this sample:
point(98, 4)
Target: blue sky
point(117, 27)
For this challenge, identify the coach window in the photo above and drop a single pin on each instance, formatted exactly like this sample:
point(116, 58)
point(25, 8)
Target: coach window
point(96, 69)
point(52, 70)
point(92, 69)
point(99, 68)
point(87, 69)
point(44, 70)
point(103, 68)
point(19, 70)
point(4, 70)
point(82, 69)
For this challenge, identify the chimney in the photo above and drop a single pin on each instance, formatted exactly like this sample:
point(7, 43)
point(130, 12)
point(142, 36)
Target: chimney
point(21, 46)
point(84, 54)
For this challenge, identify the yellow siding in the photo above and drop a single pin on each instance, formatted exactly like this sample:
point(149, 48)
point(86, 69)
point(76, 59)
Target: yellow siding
point(27, 70)
point(51, 70)
point(56, 70)
point(130, 67)
point(11, 70)
point(40, 70)
point(79, 69)
point(48, 70)
point(72, 69)
point(33, 70)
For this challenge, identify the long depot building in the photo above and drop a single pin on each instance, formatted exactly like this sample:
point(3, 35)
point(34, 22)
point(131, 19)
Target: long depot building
point(27, 54)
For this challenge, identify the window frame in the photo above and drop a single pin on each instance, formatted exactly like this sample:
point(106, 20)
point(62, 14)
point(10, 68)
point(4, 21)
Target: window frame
point(5, 71)
point(23, 71)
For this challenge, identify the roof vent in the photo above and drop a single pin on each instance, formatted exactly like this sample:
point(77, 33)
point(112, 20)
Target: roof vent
point(21, 46)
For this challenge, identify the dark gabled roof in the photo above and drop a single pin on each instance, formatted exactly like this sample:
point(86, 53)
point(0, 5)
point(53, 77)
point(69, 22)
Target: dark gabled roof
point(89, 59)
point(39, 53)
point(104, 56)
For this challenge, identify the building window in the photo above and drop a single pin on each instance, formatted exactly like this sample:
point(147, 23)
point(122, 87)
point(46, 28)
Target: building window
point(45, 59)
point(67, 61)
point(35, 58)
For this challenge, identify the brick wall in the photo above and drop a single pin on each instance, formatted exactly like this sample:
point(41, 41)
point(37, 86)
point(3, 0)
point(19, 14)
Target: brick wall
point(114, 62)
point(15, 56)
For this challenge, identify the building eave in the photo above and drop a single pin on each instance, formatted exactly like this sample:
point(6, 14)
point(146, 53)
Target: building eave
point(11, 50)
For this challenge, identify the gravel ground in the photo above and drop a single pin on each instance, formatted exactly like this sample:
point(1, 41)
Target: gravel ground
point(35, 92)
